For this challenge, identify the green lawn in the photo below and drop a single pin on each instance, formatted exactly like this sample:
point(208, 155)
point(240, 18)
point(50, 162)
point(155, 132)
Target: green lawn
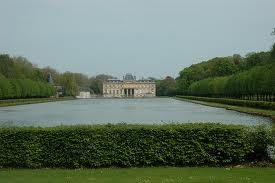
point(249, 110)
point(13, 102)
point(146, 175)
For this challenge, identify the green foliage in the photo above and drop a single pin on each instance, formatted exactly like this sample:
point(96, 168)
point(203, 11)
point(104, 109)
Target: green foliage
point(257, 83)
point(256, 59)
point(21, 79)
point(81, 80)
point(233, 66)
point(166, 87)
point(132, 145)
point(69, 83)
point(219, 66)
point(273, 52)
point(6, 90)
point(96, 83)
point(210, 86)
point(48, 71)
point(19, 68)
point(7, 68)
point(24, 88)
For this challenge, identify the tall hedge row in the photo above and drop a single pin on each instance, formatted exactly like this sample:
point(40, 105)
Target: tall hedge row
point(244, 103)
point(257, 84)
point(132, 145)
point(24, 88)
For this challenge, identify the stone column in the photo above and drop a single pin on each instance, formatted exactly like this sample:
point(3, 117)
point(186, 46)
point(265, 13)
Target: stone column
point(130, 92)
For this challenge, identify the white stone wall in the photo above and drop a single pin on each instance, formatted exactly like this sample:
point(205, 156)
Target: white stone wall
point(84, 95)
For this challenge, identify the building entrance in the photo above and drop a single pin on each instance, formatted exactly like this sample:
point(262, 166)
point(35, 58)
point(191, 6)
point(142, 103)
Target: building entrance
point(129, 92)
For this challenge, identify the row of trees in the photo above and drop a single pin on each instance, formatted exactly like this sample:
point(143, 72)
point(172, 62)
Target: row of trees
point(221, 66)
point(257, 83)
point(250, 77)
point(24, 88)
point(21, 79)
point(71, 83)
point(15, 70)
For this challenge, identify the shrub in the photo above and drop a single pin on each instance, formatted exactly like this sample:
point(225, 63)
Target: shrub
point(132, 145)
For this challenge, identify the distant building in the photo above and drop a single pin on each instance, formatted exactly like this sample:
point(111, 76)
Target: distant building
point(84, 93)
point(129, 87)
point(50, 79)
point(59, 89)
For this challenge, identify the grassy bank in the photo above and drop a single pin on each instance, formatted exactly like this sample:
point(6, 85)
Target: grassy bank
point(13, 102)
point(139, 175)
point(248, 110)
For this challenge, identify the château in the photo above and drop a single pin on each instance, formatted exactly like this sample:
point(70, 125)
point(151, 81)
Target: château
point(129, 87)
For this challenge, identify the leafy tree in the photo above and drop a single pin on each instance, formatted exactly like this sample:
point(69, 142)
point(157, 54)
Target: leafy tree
point(48, 71)
point(6, 89)
point(82, 80)
point(96, 83)
point(166, 87)
point(237, 59)
point(7, 66)
point(24, 69)
point(219, 66)
point(182, 86)
point(69, 83)
point(272, 52)
point(224, 67)
point(256, 59)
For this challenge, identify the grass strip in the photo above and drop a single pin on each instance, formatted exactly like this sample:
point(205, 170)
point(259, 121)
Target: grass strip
point(13, 102)
point(138, 175)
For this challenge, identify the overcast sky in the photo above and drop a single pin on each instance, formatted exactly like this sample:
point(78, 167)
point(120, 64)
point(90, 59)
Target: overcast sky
point(144, 37)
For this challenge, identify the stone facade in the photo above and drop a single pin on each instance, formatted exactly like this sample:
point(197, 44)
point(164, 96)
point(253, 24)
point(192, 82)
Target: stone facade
point(129, 87)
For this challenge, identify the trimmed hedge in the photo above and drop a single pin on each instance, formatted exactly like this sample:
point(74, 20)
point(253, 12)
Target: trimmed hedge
point(132, 145)
point(244, 103)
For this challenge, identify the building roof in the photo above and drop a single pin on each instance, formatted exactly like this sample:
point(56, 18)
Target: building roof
point(129, 77)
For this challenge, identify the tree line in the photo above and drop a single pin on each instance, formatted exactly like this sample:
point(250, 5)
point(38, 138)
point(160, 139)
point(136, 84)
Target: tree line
point(255, 83)
point(251, 77)
point(19, 78)
point(24, 88)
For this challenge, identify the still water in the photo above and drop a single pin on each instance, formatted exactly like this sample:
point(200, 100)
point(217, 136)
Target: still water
point(98, 111)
